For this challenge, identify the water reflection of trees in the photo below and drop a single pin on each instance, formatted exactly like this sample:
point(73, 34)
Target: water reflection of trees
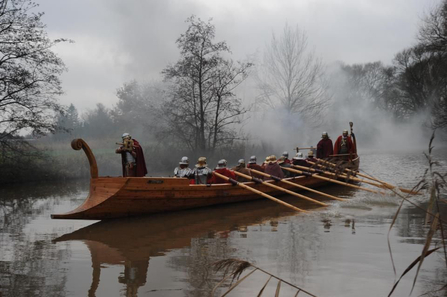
point(197, 262)
point(281, 237)
point(19, 204)
point(27, 260)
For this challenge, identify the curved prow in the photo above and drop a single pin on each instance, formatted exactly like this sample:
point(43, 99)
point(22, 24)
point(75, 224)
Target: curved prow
point(79, 143)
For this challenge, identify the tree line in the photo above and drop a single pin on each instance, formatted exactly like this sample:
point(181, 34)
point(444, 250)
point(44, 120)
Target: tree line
point(195, 107)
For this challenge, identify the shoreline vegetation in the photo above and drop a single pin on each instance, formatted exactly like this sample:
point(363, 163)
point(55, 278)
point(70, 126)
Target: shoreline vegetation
point(49, 160)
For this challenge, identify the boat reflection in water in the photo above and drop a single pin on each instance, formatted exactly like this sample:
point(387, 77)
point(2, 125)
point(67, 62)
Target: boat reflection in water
point(132, 242)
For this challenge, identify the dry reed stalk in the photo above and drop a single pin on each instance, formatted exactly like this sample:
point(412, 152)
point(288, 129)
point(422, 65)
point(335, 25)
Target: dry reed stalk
point(434, 182)
point(235, 267)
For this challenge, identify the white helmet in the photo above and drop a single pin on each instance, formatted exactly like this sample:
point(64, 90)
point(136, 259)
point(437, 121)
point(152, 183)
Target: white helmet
point(252, 160)
point(125, 135)
point(324, 134)
point(286, 154)
point(222, 163)
point(299, 156)
point(240, 162)
point(184, 161)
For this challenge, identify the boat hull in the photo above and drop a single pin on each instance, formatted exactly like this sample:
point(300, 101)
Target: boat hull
point(114, 197)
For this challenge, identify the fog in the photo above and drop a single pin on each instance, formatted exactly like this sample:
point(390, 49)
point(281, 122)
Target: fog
point(116, 43)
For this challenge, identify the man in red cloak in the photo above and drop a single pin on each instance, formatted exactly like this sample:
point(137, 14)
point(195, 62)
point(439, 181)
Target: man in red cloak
point(132, 157)
point(324, 147)
point(344, 144)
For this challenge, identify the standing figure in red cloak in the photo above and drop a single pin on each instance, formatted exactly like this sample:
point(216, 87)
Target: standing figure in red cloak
point(344, 144)
point(132, 157)
point(324, 147)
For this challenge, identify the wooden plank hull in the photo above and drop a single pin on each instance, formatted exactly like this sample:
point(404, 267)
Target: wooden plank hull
point(114, 197)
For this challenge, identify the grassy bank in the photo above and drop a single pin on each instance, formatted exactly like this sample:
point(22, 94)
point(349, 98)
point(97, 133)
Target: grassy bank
point(57, 161)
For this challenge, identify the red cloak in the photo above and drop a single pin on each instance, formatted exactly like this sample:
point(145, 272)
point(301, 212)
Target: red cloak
point(349, 144)
point(141, 163)
point(224, 171)
point(141, 169)
point(274, 169)
point(255, 167)
point(324, 148)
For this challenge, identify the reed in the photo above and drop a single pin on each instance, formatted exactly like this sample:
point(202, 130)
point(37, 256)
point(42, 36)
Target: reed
point(433, 181)
point(233, 268)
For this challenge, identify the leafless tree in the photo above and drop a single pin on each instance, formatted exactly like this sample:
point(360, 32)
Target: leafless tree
point(29, 71)
point(203, 107)
point(433, 39)
point(433, 32)
point(291, 75)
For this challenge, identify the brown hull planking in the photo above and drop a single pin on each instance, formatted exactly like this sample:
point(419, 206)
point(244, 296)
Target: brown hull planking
point(115, 197)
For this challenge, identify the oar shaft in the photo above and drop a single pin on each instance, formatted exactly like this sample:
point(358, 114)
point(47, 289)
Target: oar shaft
point(341, 155)
point(342, 175)
point(298, 185)
point(381, 184)
point(260, 193)
point(281, 189)
point(334, 181)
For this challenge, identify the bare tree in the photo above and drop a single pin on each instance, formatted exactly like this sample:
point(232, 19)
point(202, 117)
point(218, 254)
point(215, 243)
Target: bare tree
point(138, 108)
point(203, 108)
point(291, 76)
point(29, 71)
point(433, 32)
point(433, 39)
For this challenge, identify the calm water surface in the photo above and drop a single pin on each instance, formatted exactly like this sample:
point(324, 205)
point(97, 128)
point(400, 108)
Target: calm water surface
point(340, 250)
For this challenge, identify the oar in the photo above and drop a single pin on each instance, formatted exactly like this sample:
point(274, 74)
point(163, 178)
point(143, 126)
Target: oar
point(383, 184)
point(331, 180)
point(304, 148)
point(341, 155)
point(340, 175)
point(257, 180)
point(297, 185)
point(258, 192)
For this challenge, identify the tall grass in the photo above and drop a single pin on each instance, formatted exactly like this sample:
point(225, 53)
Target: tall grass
point(433, 183)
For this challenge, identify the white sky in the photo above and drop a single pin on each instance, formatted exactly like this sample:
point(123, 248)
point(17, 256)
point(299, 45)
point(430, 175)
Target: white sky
point(117, 41)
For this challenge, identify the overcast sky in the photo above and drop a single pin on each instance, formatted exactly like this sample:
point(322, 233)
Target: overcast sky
point(117, 41)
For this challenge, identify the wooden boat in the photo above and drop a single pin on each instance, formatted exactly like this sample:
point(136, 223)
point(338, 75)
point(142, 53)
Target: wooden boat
point(114, 197)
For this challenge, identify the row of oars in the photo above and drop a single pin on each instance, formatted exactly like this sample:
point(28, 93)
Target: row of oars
point(310, 172)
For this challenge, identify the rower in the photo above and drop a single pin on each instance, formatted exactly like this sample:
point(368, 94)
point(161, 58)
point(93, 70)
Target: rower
point(299, 160)
point(242, 169)
point(264, 164)
point(273, 168)
point(183, 169)
point(310, 157)
point(202, 174)
point(252, 164)
point(282, 163)
point(286, 158)
point(222, 169)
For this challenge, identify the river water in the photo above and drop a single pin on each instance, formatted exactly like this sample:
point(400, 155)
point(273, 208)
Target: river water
point(340, 250)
